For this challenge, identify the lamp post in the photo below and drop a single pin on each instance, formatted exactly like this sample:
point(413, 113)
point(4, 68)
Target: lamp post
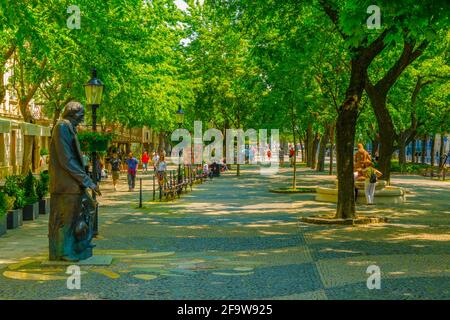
point(179, 118)
point(94, 92)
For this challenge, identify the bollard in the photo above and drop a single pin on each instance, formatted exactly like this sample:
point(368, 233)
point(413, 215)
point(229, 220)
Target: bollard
point(140, 192)
point(190, 176)
point(160, 190)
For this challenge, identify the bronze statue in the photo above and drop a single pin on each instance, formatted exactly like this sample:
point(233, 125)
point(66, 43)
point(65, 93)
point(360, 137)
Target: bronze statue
point(361, 157)
point(72, 208)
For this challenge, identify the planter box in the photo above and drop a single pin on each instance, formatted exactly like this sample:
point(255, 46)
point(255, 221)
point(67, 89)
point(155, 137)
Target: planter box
point(3, 225)
point(31, 211)
point(44, 206)
point(14, 219)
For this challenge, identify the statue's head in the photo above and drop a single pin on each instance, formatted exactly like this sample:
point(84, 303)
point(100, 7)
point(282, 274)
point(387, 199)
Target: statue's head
point(360, 146)
point(74, 112)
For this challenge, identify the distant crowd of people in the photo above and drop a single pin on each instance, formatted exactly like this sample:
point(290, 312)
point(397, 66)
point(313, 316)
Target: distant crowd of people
point(117, 163)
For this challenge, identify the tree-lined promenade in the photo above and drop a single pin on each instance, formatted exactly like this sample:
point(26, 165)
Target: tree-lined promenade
point(314, 70)
point(230, 238)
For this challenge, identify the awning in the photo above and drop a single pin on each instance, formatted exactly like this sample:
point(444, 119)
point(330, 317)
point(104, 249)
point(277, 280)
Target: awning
point(28, 129)
point(5, 126)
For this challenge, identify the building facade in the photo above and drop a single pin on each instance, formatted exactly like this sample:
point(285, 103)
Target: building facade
point(12, 132)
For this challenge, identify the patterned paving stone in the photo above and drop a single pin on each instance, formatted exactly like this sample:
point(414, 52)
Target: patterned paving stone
point(395, 289)
point(232, 239)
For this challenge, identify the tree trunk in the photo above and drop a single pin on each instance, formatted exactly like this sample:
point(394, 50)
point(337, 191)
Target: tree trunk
point(28, 142)
point(387, 133)
point(362, 57)
point(433, 151)
point(331, 149)
point(424, 149)
point(413, 151)
point(315, 146)
point(294, 177)
point(2, 85)
point(36, 153)
point(302, 151)
point(323, 149)
point(401, 150)
point(386, 151)
point(309, 145)
point(374, 148)
point(160, 142)
point(378, 95)
point(345, 136)
point(441, 151)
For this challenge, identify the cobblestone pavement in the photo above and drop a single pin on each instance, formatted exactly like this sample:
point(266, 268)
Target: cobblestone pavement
point(230, 238)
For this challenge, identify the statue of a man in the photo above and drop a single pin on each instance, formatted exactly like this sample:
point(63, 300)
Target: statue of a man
point(361, 157)
point(71, 206)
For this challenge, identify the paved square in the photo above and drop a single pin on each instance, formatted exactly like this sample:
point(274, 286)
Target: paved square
point(232, 239)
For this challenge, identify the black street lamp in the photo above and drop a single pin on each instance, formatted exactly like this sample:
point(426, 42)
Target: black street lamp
point(179, 118)
point(94, 93)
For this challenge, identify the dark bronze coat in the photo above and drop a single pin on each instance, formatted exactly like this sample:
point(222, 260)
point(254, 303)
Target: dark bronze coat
point(66, 161)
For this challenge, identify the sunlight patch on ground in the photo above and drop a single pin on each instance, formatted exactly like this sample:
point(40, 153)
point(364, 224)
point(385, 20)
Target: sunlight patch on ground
point(145, 276)
point(106, 272)
point(16, 275)
point(421, 236)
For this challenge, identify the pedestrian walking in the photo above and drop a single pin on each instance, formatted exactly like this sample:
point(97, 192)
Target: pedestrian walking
point(145, 159)
point(291, 156)
point(161, 168)
point(371, 176)
point(132, 164)
point(155, 160)
point(116, 164)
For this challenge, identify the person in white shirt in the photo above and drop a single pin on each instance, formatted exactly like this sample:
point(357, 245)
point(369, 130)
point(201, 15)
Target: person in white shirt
point(155, 160)
point(205, 169)
point(161, 167)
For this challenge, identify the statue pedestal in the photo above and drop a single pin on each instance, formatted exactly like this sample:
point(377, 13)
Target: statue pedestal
point(92, 261)
point(383, 194)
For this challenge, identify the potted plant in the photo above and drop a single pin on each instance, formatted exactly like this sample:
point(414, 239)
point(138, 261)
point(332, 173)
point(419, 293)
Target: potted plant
point(94, 141)
point(42, 191)
point(2, 214)
point(15, 201)
point(31, 209)
point(13, 216)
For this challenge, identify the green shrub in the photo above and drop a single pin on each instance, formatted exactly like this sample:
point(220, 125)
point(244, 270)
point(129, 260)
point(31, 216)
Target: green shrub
point(94, 141)
point(29, 187)
point(13, 188)
point(2, 205)
point(42, 185)
point(9, 200)
point(413, 168)
point(43, 152)
point(20, 202)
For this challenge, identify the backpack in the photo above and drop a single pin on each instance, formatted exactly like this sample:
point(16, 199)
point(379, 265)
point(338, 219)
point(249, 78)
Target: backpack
point(115, 165)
